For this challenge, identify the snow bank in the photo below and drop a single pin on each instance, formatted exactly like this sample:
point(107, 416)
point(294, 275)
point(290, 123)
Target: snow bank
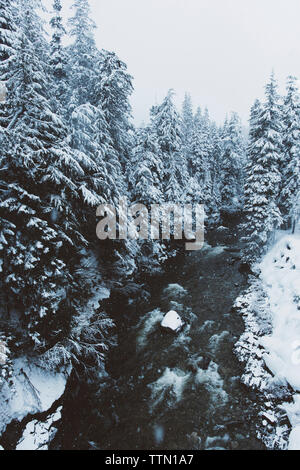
point(172, 321)
point(270, 346)
point(293, 412)
point(280, 272)
point(34, 390)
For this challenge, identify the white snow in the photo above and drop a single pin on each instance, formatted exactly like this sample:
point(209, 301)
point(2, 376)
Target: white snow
point(37, 435)
point(280, 272)
point(270, 346)
point(34, 390)
point(172, 321)
point(293, 412)
point(294, 438)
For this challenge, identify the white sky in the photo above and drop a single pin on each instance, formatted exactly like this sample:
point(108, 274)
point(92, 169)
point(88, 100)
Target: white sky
point(220, 51)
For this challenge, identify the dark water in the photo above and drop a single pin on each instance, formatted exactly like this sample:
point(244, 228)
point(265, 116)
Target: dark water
point(169, 391)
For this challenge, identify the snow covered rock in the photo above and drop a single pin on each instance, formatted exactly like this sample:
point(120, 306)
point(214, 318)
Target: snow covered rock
point(172, 321)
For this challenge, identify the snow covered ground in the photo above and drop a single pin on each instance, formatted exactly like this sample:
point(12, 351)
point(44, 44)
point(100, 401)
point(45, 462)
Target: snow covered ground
point(37, 435)
point(34, 390)
point(280, 272)
point(270, 346)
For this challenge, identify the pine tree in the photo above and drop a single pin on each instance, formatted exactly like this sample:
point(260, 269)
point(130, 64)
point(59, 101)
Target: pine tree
point(112, 92)
point(82, 55)
point(89, 135)
point(187, 128)
point(39, 229)
point(167, 126)
point(263, 177)
point(146, 169)
point(58, 58)
point(215, 159)
point(232, 161)
point(198, 164)
point(8, 45)
point(290, 164)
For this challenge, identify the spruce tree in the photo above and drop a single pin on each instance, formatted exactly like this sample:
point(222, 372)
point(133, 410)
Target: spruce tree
point(146, 169)
point(58, 59)
point(263, 176)
point(290, 164)
point(82, 55)
point(112, 90)
point(187, 128)
point(8, 46)
point(232, 161)
point(39, 229)
point(198, 163)
point(167, 126)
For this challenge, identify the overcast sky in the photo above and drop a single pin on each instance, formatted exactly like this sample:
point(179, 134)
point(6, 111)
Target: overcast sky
point(220, 51)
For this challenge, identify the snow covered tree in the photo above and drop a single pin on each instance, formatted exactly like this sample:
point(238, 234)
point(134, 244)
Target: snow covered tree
point(263, 176)
point(82, 55)
point(146, 169)
point(187, 127)
point(39, 229)
point(290, 163)
point(58, 58)
point(215, 160)
point(198, 191)
point(232, 161)
point(102, 180)
point(187, 118)
point(8, 45)
point(167, 126)
point(113, 88)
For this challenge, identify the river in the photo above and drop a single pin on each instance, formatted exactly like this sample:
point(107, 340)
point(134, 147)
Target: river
point(171, 391)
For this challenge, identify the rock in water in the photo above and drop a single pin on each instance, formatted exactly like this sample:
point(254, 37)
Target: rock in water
point(172, 321)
